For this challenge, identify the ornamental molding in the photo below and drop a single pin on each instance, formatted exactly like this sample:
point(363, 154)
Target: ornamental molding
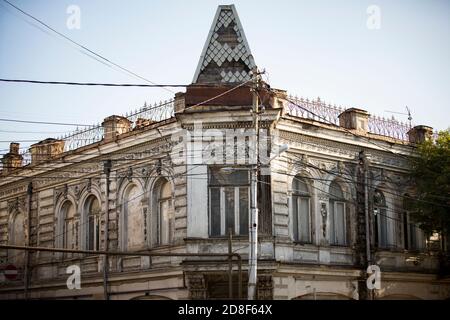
point(339, 149)
point(264, 124)
point(14, 190)
point(67, 174)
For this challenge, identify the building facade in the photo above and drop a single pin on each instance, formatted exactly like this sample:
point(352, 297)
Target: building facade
point(173, 180)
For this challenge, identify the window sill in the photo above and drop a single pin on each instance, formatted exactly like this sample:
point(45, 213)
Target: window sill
point(339, 245)
point(300, 243)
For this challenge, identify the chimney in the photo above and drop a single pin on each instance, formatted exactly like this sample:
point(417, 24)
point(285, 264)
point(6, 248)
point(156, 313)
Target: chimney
point(12, 159)
point(180, 102)
point(114, 126)
point(355, 119)
point(420, 134)
point(46, 150)
point(142, 123)
point(278, 99)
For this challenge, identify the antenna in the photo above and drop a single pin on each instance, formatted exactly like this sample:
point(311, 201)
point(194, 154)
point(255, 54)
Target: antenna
point(405, 114)
point(409, 116)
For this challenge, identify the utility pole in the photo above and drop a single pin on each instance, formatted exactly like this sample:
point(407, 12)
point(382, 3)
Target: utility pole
point(363, 188)
point(107, 170)
point(253, 234)
point(27, 273)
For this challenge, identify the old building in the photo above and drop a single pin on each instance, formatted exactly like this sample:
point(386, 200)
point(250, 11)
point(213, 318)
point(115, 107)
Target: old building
point(174, 179)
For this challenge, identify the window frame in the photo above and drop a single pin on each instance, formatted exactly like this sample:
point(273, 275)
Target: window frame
point(237, 232)
point(88, 214)
point(337, 198)
point(170, 211)
point(380, 212)
point(297, 196)
point(334, 241)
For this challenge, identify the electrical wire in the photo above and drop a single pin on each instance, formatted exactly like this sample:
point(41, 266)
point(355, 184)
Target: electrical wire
point(44, 122)
point(84, 47)
point(138, 85)
point(345, 129)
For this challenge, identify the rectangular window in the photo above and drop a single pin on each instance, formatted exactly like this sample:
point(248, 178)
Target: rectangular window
point(383, 229)
point(337, 223)
point(228, 201)
point(91, 232)
point(302, 219)
point(416, 237)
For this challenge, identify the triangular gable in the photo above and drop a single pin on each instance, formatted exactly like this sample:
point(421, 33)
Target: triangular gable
point(226, 57)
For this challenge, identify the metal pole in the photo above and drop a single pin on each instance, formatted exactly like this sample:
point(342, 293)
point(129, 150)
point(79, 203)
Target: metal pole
point(366, 204)
point(230, 264)
point(27, 254)
point(366, 209)
point(253, 254)
point(107, 171)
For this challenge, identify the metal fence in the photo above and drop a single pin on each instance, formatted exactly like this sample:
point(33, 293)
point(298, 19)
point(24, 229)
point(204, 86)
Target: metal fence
point(320, 111)
point(84, 136)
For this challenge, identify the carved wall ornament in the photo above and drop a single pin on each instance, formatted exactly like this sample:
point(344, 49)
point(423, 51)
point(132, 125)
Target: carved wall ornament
point(323, 196)
point(340, 167)
point(89, 185)
point(61, 193)
point(130, 174)
point(18, 204)
point(77, 190)
point(324, 213)
point(197, 287)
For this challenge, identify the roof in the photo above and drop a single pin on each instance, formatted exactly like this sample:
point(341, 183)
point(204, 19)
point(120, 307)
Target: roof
point(226, 56)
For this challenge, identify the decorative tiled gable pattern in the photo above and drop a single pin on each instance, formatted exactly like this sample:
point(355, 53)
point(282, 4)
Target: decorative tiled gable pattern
point(226, 57)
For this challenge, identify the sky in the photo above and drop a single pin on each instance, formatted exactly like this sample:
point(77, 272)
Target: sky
point(341, 51)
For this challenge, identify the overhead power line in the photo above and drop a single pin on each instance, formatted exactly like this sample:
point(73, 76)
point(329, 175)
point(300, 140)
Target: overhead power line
point(84, 47)
point(45, 122)
point(71, 83)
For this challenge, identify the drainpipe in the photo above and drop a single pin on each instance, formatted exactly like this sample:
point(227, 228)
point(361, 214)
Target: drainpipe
point(27, 253)
point(107, 170)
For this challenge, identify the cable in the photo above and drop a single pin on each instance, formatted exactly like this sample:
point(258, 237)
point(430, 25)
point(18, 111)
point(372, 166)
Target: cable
point(296, 177)
point(83, 47)
point(44, 122)
point(198, 104)
point(345, 129)
point(71, 83)
point(383, 189)
point(122, 203)
point(36, 132)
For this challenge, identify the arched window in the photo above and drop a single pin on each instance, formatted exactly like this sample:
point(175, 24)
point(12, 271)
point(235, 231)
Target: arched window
point(165, 213)
point(17, 230)
point(381, 223)
point(17, 237)
point(70, 229)
point(338, 229)
point(133, 220)
point(301, 210)
point(92, 223)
